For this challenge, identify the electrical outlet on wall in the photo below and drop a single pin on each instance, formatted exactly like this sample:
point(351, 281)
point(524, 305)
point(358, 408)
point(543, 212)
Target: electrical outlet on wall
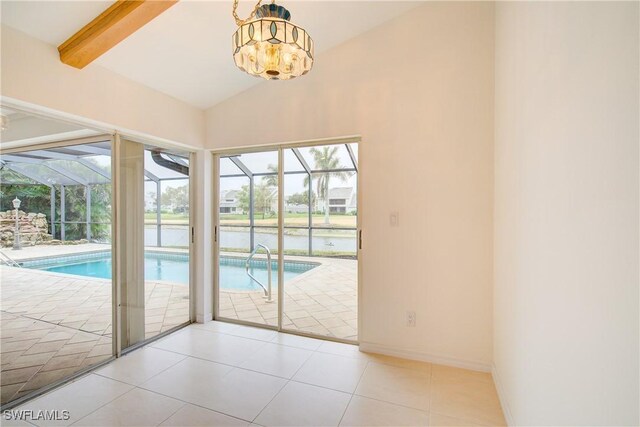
point(411, 318)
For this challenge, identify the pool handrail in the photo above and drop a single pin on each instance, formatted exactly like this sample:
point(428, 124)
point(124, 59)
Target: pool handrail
point(8, 260)
point(267, 290)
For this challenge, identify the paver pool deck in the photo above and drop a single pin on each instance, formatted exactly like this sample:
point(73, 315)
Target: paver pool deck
point(322, 301)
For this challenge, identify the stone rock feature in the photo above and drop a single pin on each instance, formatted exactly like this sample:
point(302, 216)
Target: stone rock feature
point(33, 228)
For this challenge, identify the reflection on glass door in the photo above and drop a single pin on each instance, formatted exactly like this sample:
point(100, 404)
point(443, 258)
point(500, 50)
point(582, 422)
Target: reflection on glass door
point(154, 240)
point(57, 307)
point(248, 238)
point(320, 240)
point(166, 237)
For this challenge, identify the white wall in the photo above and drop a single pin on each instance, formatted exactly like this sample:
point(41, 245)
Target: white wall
point(33, 74)
point(566, 212)
point(424, 109)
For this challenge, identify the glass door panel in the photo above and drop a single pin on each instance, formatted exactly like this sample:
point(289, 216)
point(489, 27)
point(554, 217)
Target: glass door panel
point(248, 238)
point(154, 240)
point(166, 252)
point(320, 241)
point(56, 208)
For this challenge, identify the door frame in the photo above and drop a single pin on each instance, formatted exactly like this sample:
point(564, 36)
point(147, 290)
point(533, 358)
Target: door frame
point(215, 217)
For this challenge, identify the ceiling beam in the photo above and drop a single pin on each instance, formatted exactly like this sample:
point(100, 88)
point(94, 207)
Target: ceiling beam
point(115, 24)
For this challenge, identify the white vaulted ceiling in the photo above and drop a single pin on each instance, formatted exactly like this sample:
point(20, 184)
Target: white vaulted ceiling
point(186, 51)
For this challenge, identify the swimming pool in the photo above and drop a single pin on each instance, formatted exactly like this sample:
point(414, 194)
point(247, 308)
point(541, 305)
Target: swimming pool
point(172, 267)
point(233, 275)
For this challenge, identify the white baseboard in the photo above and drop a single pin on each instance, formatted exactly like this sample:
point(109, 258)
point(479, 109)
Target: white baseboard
point(425, 357)
point(506, 410)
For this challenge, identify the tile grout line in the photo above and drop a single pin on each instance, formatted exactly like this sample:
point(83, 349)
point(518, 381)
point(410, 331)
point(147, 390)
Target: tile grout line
point(148, 379)
point(213, 361)
point(346, 408)
point(370, 362)
point(101, 406)
point(271, 400)
point(353, 394)
point(289, 380)
point(320, 386)
point(174, 412)
point(392, 403)
point(193, 404)
point(302, 365)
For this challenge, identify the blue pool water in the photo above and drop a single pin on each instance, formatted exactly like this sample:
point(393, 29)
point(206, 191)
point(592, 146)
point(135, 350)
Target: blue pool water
point(154, 269)
point(173, 268)
point(235, 277)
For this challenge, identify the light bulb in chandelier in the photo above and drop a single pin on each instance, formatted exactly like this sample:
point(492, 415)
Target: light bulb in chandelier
point(271, 47)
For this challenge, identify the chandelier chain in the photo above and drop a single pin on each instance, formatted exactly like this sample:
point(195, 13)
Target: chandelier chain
point(239, 21)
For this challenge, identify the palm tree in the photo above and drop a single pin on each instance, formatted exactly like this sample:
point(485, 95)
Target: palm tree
point(325, 159)
point(271, 180)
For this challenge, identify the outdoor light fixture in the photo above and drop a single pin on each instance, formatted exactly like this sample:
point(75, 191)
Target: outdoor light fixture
point(16, 233)
point(267, 45)
point(4, 122)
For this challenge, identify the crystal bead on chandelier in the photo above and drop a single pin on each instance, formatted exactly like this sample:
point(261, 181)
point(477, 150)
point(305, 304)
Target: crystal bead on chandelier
point(267, 45)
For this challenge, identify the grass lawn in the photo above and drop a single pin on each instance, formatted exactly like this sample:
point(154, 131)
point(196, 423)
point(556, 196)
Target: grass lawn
point(166, 218)
point(299, 252)
point(300, 219)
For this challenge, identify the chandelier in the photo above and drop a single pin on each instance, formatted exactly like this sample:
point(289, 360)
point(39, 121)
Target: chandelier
point(267, 45)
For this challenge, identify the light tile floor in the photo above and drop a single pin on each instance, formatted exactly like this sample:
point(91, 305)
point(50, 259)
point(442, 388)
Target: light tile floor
point(219, 374)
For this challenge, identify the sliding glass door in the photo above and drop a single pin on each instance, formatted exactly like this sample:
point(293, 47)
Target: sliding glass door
point(95, 235)
point(303, 199)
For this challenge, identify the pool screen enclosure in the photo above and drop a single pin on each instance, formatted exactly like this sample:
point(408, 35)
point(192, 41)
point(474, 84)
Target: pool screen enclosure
point(78, 172)
point(309, 166)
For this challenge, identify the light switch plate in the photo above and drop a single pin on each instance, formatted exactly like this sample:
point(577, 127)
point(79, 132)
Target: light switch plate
point(394, 219)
